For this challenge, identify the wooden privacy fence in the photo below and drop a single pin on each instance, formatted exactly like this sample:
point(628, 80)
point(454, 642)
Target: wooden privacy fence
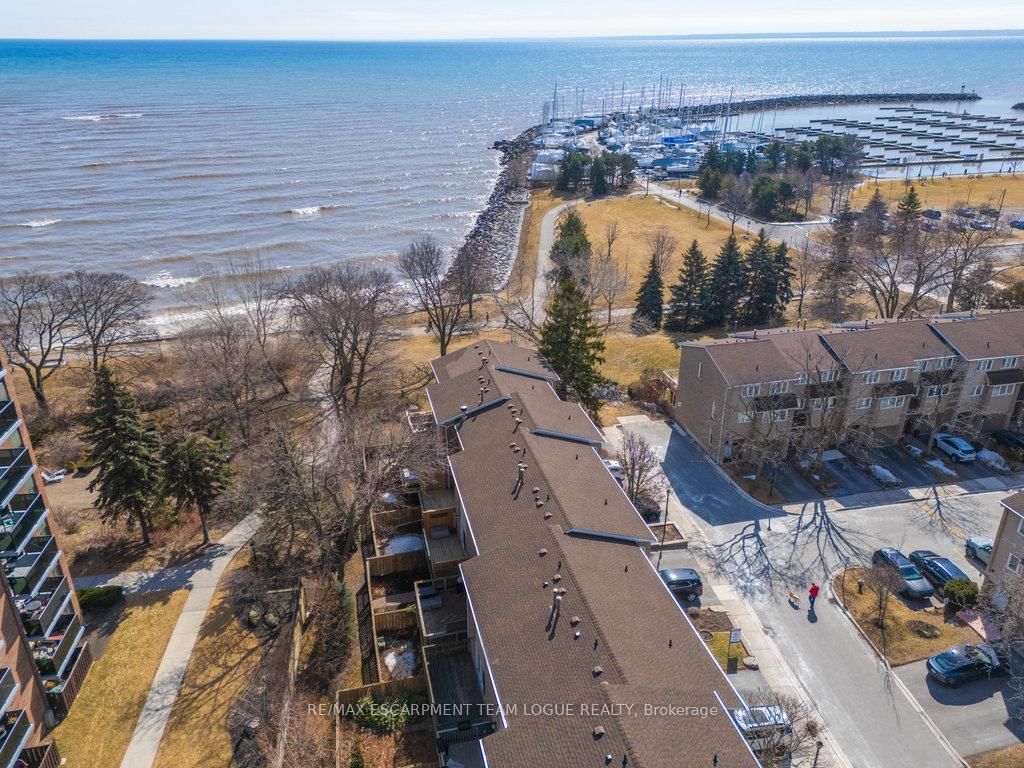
point(391, 518)
point(385, 565)
point(395, 621)
point(409, 686)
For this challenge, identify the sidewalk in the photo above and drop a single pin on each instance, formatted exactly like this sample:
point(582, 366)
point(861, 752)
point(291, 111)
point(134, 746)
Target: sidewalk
point(149, 729)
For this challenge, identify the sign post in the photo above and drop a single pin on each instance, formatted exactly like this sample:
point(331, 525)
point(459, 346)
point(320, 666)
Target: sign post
point(734, 637)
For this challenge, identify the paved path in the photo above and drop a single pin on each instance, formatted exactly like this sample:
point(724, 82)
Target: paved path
point(867, 709)
point(202, 580)
point(544, 263)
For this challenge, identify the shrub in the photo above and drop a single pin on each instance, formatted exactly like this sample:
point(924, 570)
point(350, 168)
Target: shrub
point(94, 598)
point(384, 715)
point(358, 761)
point(961, 593)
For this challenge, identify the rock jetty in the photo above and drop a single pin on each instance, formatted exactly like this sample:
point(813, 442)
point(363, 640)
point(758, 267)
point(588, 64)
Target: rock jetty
point(827, 99)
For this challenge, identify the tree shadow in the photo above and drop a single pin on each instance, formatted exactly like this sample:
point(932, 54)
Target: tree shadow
point(955, 516)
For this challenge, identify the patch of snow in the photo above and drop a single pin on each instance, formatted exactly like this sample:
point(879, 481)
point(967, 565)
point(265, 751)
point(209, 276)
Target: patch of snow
point(401, 663)
point(404, 542)
point(940, 466)
point(883, 475)
point(914, 451)
point(993, 460)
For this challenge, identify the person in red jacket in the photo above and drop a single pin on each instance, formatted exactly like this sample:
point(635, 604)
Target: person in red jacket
point(812, 594)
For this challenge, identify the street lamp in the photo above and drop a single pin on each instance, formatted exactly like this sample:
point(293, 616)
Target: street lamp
point(664, 528)
point(818, 745)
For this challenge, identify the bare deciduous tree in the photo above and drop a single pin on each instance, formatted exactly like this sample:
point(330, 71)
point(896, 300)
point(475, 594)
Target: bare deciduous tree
point(108, 309)
point(780, 747)
point(37, 326)
point(424, 266)
point(806, 265)
point(882, 583)
point(968, 246)
point(736, 199)
point(639, 468)
point(611, 235)
point(345, 312)
point(662, 245)
point(259, 290)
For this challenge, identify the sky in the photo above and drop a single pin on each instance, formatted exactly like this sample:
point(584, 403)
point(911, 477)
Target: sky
point(460, 19)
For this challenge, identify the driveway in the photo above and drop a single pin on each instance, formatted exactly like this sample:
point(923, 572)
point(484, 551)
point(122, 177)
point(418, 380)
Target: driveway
point(791, 484)
point(851, 478)
point(905, 467)
point(976, 717)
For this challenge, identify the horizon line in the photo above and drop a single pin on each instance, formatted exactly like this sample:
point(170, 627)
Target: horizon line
point(825, 34)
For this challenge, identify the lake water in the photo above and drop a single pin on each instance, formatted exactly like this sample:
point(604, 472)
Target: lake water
point(167, 159)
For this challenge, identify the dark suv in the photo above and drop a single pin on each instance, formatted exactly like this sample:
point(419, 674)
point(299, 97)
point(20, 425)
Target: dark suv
point(912, 582)
point(683, 582)
point(937, 569)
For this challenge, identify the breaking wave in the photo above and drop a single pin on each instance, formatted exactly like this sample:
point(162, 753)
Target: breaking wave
point(36, 223)
point(104, 117)
point(165, 279)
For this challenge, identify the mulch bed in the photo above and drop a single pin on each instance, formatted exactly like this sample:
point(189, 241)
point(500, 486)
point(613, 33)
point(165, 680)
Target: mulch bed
point(712, 621)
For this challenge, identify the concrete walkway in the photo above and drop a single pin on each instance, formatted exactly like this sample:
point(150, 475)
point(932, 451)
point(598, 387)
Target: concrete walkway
point(201, 578)
point(544, 263)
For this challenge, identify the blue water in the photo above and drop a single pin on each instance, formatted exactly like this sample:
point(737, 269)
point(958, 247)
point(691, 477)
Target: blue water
point(167, 159)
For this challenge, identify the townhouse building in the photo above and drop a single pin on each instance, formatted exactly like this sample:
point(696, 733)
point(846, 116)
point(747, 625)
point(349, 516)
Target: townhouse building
point(43, 654)
point(1004, 572)
point(763, 393)
point(553, 641)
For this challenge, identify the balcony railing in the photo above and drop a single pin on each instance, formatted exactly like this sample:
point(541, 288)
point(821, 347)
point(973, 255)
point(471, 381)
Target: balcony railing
point(26, 574)
point(15, 468)
point(39, 613)
point(8, 419)
point(14, 731)
point(52, 655)
point(8, 687)
point(41, 756)
point(20, 522)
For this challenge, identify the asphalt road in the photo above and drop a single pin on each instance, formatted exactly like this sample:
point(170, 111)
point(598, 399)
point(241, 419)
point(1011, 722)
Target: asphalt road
point(864, 707)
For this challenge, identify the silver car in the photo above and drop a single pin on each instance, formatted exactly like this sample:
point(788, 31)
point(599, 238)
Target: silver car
point(978, 548)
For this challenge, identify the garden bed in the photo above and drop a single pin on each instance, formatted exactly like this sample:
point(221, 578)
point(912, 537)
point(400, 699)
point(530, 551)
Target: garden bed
point(668, 537)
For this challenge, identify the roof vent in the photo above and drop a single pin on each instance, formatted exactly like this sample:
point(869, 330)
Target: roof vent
point(608, 759)
point(538, 503)
point(556, 578)
point(547, 515)
point(547, 584)
point(577, 634)
point(536, 490)
point(598, 732)
point(574, 621)
point(596, 670)
point(542, 552)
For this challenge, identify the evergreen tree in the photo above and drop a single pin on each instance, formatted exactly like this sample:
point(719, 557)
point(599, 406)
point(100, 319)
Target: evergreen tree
point(572, 171)
point(684, 310)
point(650, 298)
point(599, 176)
point(836, 283)
point(783, 282)
point(726, 285)
point(196, 471)
point(709, 182)
point(126, 454)
point(573, 344)
point(571, 241)
point(762, 281)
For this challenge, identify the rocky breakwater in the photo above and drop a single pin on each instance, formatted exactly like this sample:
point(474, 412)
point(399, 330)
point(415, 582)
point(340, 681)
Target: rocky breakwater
point(497, 227)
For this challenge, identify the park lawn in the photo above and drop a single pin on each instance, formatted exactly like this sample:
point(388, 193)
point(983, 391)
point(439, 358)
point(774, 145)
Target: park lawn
point(97, 731)
point(223, 661)
point(942, 193)
point(1007, 757)
point(638, 217)
point(626, 355)
point(899, 644)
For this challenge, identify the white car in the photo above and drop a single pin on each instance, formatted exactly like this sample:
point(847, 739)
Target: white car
point(955, 447)
point(615, 467)
point(54, 476)
point(768, 729)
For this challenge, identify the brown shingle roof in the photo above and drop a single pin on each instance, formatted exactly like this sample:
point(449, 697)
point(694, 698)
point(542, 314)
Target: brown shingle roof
point(1015, 503)
point(500, 355)
point(886, 345)
point(990, 335)
point(536, 658)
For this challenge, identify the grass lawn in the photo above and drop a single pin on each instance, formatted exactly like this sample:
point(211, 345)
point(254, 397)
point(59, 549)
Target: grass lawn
point(637, 218)
point(899, 644)
point(943, 193)
point(223, 660)
point(1007, 757)
point(719, 646)
point(627, 355)
point(97, 732)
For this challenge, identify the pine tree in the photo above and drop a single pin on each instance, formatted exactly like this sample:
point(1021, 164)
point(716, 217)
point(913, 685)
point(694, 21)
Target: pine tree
point(573, 344)
point(599, 176)
point(836, 283)
point(726, 285)
point(126, 454)
point(761, 281)
point(684, 310)
point(571, 241)
point(783, 282)
point(650, 298)
point(196, 471)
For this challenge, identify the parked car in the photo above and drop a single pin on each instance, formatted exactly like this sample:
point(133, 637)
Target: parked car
point(1017, 223)
point(937, 569)
point(955, 447)
point(981, 224)
point(932, 214)
point(990, 212)
point(1009, 438)
point(930, 226)
point(912, 581)
point(54, 476)
point(683, 582)
point(615, 467)
point(967, 662)
point(767, 729)
point(967, 213)
point(979, 548)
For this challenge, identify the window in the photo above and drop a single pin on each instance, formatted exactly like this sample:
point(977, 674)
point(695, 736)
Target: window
point(829, 375)
point(976, 390)
point(864, 403)
point(944, 363)
point(1010, 362)
point(752, 390)
point(769, 417)
point(936, 391)
point(778, 387)
point(872, 378)
point(830, 402)
point(743, 418)
point(983, 365)
point(700, 370)
point(1014, 563)
point(1002, 389)
point(801, 378)
point(800, 402)
point(900, 374)
point(817, 403)
point(892, 402)
point(922, 365)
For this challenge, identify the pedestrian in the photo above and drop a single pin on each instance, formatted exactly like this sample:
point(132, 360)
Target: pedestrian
point(812, 594)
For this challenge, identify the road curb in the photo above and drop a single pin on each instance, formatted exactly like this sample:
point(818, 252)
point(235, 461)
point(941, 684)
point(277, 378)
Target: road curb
point(914, 703)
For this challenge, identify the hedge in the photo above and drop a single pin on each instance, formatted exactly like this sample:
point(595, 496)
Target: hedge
point(93, 598)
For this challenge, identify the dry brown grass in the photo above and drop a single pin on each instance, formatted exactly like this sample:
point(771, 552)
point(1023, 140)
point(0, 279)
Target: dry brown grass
point(97, 731)
point(897, 642)
point(223, 661)
point(640, 216)
point(626, 356)
point(1007, 757)
point(943, 193)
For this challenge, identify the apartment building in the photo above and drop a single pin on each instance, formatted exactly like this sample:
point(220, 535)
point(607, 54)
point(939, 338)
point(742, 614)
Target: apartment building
point(554, 642)
point(1005, 569)
point(43, 655)
point(765, 392)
